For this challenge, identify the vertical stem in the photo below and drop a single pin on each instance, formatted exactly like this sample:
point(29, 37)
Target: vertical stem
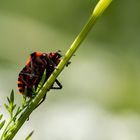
point(99, 9)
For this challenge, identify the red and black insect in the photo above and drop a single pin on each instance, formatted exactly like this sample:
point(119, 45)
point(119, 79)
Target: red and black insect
point(31, 74)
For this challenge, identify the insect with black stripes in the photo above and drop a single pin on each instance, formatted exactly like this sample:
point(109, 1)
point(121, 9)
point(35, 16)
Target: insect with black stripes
point(31, 74)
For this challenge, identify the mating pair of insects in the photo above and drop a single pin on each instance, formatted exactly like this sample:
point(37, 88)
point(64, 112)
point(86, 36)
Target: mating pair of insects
point(31, 74)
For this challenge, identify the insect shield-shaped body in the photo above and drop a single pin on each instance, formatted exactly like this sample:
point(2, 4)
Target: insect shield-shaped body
point(31, 74)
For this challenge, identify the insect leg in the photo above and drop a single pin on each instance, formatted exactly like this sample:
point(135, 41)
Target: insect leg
point(43, 99)
point(58, 84)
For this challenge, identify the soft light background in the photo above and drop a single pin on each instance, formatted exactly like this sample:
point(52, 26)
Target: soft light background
point(100, 99)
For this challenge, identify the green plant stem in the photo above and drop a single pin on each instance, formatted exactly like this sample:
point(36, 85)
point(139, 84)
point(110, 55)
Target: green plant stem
point(97, 12)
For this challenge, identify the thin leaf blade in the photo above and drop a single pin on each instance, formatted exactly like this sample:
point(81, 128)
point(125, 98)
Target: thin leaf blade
point(12, 96)
point(29, 136)
point(7, 107)
point(1, 116)
point(2, 124)
point(42, 81)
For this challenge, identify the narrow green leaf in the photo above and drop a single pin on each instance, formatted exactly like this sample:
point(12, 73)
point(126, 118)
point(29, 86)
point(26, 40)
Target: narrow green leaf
point(18, 111)
point(23, 101)
point(24, 97)
point(14, 106)
point(25, 91)
point(1, 116)
point(12, 96)
point(7, 107)
point(2, 124)
point(29, 136)
point(8, 100)
point(42, 81)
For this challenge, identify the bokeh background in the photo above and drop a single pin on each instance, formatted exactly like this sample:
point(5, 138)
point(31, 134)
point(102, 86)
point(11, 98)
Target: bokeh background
point(100, 99)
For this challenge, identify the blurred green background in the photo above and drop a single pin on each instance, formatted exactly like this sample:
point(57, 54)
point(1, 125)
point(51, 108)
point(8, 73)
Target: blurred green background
point(100, 98)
